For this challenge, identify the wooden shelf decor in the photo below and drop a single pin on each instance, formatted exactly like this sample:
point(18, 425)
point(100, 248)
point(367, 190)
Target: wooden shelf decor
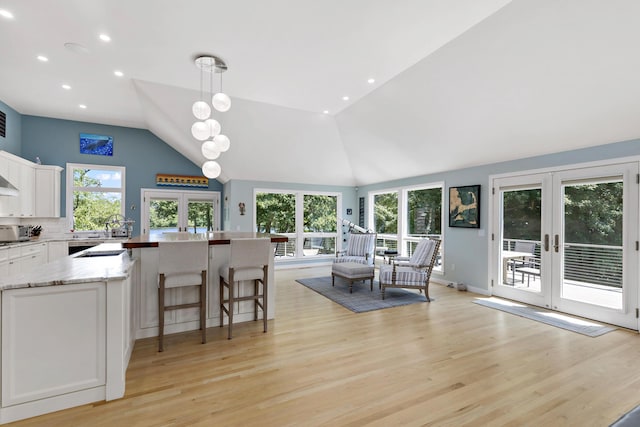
point(166, 180)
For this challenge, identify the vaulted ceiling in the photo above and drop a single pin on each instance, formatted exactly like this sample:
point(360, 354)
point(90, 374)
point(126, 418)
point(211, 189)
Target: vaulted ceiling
point(458, 83)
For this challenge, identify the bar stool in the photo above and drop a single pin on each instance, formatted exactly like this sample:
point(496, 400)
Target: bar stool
point(182, 263)
point(248, 260)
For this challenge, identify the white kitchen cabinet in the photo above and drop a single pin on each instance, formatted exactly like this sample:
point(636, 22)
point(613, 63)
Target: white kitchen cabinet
point(19, 259)
point(4, 262)
point(57, 250)
point(19, 172)
point(67, 324)
point(47, 191)
point(14, 262)
point(27, 187)
point(32, 256)
point(38, 187)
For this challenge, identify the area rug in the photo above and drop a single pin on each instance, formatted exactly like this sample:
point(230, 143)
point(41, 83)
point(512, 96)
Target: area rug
point(630, 419)
point(553, 318)
point(362, 299)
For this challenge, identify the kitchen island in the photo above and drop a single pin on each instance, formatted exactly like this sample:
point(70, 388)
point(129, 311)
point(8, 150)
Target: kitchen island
point(145, 248)
point(67, 332)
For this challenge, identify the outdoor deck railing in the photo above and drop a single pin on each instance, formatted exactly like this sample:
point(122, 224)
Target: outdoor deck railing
point(586, 263)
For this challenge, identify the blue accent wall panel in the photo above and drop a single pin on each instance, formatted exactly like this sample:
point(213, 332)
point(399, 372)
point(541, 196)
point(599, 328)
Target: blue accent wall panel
point(57, 142)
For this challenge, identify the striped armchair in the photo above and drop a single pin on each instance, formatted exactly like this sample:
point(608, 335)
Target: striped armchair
point(414, 273)
point(361, 248)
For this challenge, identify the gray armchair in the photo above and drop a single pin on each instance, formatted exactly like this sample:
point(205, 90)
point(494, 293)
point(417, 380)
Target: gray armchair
point(414, 272)
point(361, 248)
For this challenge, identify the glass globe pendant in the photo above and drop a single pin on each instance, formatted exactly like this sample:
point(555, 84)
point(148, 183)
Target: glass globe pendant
point(210, 150)
point(200, 131)
point(211, 169)
point(222, 142)
point(221, 102)
point(201, 110)
point(213, 127)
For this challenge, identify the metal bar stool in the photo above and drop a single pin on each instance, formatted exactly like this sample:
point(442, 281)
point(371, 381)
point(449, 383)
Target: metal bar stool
point(181, 264)
point(248, 260)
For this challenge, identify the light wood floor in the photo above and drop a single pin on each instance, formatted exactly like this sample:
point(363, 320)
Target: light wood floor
point(447, 363)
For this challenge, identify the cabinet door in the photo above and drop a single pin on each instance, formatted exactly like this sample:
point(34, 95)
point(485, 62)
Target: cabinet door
point(13, 176)
point(32, 256)
point(47, 191)
point(53, 341)
point(27, 190)
point(4, 262)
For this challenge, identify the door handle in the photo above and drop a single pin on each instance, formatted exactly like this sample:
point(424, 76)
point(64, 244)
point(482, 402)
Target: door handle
point(556, 243)
point(546, 243)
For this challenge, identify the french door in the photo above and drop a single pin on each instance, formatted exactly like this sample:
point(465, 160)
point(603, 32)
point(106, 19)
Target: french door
point(173, 210)
point(567, 240)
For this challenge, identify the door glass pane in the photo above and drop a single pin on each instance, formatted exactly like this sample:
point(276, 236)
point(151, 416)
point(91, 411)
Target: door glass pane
point(200, 216)
point(592, 249)
point(163, 216)
point(521, 231)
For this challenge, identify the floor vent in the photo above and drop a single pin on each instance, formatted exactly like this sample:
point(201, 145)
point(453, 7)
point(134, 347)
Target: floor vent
point(3, 124)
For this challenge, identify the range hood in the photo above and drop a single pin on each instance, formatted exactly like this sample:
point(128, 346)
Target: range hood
point(6, 188)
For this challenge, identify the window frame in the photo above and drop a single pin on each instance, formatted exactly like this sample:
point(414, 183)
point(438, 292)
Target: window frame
point(300, 235)
point(70, 188)
point(402, 234)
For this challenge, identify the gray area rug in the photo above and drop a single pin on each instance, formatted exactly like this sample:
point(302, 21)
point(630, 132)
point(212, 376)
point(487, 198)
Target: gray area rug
point(553, 318)
point(362, 299)
point(630, 419)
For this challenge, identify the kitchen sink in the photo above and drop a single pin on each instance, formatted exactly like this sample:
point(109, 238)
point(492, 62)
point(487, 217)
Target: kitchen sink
point(91, 254)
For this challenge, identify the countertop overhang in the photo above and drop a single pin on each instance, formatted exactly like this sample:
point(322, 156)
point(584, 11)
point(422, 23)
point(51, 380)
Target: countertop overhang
point(214, 238)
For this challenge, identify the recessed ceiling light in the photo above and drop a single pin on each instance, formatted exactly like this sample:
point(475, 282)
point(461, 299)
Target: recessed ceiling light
point(6, 14)
point(371, 81)
point(66, 87)
point(105, 38)
point(84, 107)
point(326, 111)
point(345, 98)
point(118, 73)
point(42, 58)
point(77, 48)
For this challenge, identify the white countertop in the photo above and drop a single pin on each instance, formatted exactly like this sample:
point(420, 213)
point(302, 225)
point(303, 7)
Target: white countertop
point(74, 269)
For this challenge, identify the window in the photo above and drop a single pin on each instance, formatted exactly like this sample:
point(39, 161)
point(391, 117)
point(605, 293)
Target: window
point(403, 216)
point(423, 217)
point(309, 220)
point(385, 209)
point(95, 193)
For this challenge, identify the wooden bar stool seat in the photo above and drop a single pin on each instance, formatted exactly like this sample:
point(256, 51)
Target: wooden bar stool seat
point(182, 263)
point(248, 260)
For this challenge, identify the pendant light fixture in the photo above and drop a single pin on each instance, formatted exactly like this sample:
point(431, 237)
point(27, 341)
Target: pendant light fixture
point(207, 129)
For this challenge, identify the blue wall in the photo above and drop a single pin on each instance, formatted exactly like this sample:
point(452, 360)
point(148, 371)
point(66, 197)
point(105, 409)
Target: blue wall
point(144, 155)
point(12, 142)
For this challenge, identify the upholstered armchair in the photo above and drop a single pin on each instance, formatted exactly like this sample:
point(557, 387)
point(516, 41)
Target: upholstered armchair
point(361, 248)
point(414, 272)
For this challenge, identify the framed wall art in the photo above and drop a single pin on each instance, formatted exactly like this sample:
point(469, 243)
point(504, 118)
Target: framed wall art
point(464, 206)
point(101, 145)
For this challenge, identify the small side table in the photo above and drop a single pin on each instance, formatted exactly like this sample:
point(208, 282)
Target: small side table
point(390, 255)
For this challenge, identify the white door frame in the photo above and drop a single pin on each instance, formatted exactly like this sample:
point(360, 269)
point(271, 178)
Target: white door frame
point(183, 197)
